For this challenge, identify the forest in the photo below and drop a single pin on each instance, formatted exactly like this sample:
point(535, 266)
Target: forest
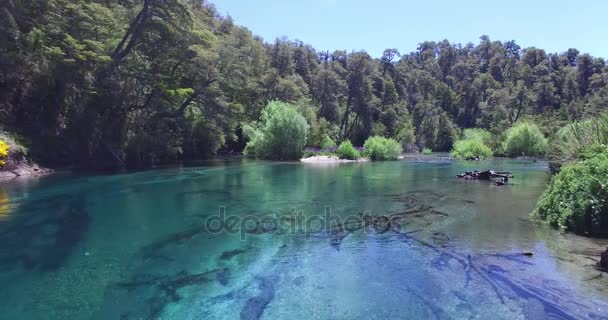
point(131, 83)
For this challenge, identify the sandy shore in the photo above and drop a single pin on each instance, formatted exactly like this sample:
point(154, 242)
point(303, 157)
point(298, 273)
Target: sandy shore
point(330, 159)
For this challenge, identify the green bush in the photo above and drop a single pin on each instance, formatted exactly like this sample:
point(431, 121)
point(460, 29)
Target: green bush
point(380, 148)
point(347, 151)
point(573, 139)
point(478, 134)
point(525, 139)
point(327, 142)
point(577, 197)
point(427, 151)
point(470, 149)
point(280, 135)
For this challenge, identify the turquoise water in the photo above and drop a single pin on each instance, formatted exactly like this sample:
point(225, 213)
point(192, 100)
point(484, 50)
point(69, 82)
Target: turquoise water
point(145, 245)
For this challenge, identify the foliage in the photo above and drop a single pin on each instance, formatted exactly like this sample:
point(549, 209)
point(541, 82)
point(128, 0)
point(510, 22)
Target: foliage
point(478, 134)
point(380, 148)
point(136, 82)
point(524, 139)
point(470, 149)
point(347, 151)
point(577, 197)
point(16, 145)
point(327, 142)
point(573, 139)
point(4, 147)
point(281, 135)
point(311, 151)
point(427, 151)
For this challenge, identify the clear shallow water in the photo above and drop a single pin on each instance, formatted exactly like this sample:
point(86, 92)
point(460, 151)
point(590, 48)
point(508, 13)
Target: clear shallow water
point(134, 246)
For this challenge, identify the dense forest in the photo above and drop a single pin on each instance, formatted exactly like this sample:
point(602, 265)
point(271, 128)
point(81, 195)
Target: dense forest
point(101, 83)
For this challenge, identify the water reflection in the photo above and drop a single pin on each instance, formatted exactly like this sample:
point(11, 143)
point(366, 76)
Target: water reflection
point(5, 205)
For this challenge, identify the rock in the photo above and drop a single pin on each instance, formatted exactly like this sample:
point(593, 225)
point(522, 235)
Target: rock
point(527, 253)
point(7, 175)
point(13, 170)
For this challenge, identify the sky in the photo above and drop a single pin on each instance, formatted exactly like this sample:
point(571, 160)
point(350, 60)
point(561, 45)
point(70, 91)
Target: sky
point(553, 25)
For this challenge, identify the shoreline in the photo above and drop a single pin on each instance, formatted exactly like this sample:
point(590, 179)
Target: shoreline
point(24, 170)
point(330, 159)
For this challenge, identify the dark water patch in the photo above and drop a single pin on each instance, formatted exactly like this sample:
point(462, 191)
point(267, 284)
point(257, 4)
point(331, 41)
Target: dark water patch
point(154, 250)
point(555, 309)
point(227, 255)
point(254, 307)
point(513, 257)
point(223, 276)
point(46, 240)
point(148, 295)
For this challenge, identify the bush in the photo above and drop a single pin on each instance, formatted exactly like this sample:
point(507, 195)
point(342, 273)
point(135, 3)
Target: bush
point(3, 152)
point(524, 139)
point(570, 141)
point(380, 148)
point(16, 145)
point(427, 151)
point(281, 133)
point(347, 151)
point(470, 149)
point(478, 134)
point(577, 197)
point(327, 142)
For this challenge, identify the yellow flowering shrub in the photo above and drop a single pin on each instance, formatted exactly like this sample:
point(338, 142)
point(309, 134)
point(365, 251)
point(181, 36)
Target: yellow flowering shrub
point(3, 152)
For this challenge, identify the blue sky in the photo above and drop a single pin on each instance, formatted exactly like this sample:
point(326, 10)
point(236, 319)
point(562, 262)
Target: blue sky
point(553, 25)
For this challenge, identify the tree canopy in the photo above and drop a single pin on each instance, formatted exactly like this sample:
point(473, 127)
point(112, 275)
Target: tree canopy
point(134, 82)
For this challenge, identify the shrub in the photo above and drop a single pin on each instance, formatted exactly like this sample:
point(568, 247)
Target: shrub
point(281, 133)
point(577, 197)
point(524, 139)
point(471, 148)
point(3, 152)
point(327, 142)
point(478, 134)
point(570, 141)
point(347, 151)
point(427, 151)
point(16, 144)
point(380, 148)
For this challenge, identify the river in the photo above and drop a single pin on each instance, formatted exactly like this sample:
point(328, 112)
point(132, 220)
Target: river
point(240, 239)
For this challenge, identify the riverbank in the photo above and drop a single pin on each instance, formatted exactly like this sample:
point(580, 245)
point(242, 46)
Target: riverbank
point(330, 159)
point(21, 169)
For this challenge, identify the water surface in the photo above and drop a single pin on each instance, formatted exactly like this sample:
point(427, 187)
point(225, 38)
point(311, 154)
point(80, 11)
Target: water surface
point(135, 246)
